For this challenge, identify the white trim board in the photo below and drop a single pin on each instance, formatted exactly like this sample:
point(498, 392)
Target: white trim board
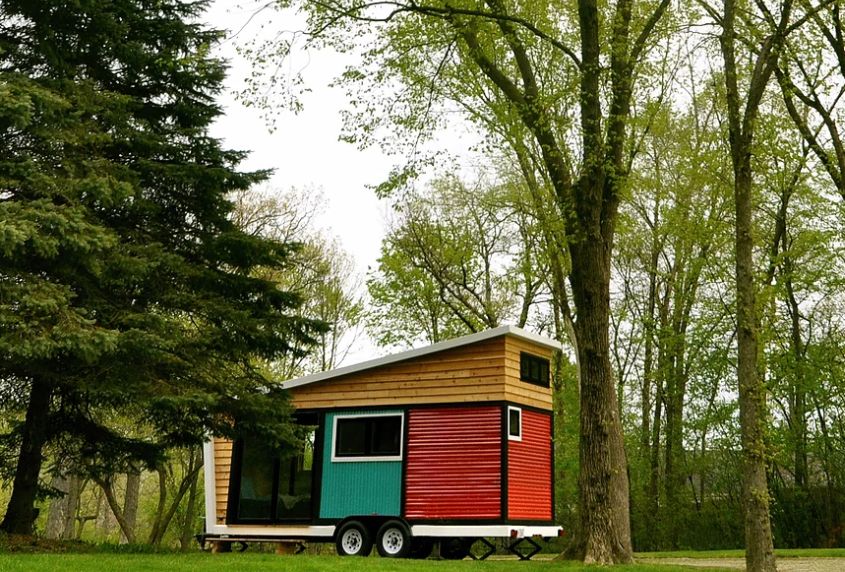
point(210, 485)
point(418, 352)
point(493, 530)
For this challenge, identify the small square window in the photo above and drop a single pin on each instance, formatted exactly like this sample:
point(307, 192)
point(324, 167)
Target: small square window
point(514, 424)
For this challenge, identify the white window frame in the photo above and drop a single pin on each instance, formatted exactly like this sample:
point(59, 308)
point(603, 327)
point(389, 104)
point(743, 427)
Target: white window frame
point(514, 437)
point(366, 459)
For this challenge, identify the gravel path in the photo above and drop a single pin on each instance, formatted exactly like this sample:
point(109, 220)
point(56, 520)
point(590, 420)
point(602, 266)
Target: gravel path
point(784, 564)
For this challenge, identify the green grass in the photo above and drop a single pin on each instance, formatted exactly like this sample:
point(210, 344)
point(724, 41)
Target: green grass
point(779, 552)
point(102, 562)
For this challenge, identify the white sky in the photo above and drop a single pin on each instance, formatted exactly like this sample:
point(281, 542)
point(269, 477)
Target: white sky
point(304, 149)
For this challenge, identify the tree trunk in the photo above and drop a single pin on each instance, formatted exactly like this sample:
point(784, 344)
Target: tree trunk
point(20, 512)
point(130, 506)
point(605, 534)
point(126, 531)
point(75, 486)
point(58, 508)
point(759, 550)
point(759, 555)
point(165, 514)
point(187, 536)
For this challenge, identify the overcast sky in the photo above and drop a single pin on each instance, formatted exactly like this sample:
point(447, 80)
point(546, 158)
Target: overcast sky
point(304, 149)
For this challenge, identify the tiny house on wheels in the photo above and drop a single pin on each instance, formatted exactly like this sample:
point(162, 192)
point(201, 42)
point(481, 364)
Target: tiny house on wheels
point(437, 446)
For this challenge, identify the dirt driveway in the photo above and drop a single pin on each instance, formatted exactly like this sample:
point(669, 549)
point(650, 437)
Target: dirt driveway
point(784, 564)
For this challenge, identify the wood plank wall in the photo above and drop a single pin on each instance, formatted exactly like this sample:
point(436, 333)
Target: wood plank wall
point(473, 373)
point(520, 391)
point(222, 466)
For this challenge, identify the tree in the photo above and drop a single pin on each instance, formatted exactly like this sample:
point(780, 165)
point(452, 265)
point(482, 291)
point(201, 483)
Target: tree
point(125, 289)
point(743, 106)
point(319, 271)
point(495, 47)
point(811, 98)
point(457, 260)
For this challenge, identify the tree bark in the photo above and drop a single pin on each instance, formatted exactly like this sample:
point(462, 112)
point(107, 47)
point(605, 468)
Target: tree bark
point(126, 532)
point(20, 512)
point(165, 514)
point(604, 509)
point(130, 506)
point(75, 486)
point(187, 535)
point(759, 549)
point(58, 508)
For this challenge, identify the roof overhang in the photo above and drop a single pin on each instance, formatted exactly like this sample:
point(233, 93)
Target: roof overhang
point(417, 352)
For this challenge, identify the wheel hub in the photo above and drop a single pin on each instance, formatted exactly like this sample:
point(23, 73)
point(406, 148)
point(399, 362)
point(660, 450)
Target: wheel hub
point(393, 541)
point(352, 541)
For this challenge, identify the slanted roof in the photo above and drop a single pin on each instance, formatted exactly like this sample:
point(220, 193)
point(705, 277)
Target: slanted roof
point(418, 352)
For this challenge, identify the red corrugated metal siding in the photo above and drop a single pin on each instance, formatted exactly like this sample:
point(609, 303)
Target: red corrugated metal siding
point(530, 469)
point(454, 463)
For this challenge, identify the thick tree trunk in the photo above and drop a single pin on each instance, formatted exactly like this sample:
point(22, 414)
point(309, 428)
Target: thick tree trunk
point(20, 512)
point(605, 535)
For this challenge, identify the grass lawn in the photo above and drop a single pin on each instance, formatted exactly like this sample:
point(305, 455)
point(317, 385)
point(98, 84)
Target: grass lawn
point(196, 562)
point(779, 552)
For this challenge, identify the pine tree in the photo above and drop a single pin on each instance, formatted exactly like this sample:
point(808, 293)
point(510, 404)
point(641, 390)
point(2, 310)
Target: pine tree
point(126, 292)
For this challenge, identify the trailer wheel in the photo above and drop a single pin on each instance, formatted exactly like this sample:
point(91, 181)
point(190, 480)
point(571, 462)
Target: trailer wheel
point(353, 539)
point(393, 540)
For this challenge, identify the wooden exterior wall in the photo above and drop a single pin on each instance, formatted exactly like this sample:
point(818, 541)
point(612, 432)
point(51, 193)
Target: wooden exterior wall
point(222, 466)
point(466, 374)
point(481, 372)
point(518, 391)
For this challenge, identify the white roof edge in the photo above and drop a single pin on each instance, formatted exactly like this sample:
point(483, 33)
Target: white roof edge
point(417, 352)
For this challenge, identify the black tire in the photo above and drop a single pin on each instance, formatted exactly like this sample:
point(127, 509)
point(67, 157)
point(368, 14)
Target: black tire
point(420, 548)
point(353, 539)
point(393, 540)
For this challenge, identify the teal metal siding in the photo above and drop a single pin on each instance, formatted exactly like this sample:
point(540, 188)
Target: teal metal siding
point(358, 487)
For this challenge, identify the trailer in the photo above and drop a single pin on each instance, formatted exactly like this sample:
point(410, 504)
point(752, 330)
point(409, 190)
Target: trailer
point(433, 448)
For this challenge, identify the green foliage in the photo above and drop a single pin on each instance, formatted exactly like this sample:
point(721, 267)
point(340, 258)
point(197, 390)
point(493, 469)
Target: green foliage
point(126, 288)
point(457, 260)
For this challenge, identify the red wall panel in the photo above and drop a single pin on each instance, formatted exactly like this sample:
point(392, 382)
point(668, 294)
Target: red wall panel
point(454, 463)
point(530, 469)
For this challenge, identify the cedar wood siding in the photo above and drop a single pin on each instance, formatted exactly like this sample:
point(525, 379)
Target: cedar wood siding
point(530, 469)
point(454, 469)
point(485, 371)
point(222, 467)
point(521, 392)
point(471, 373)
